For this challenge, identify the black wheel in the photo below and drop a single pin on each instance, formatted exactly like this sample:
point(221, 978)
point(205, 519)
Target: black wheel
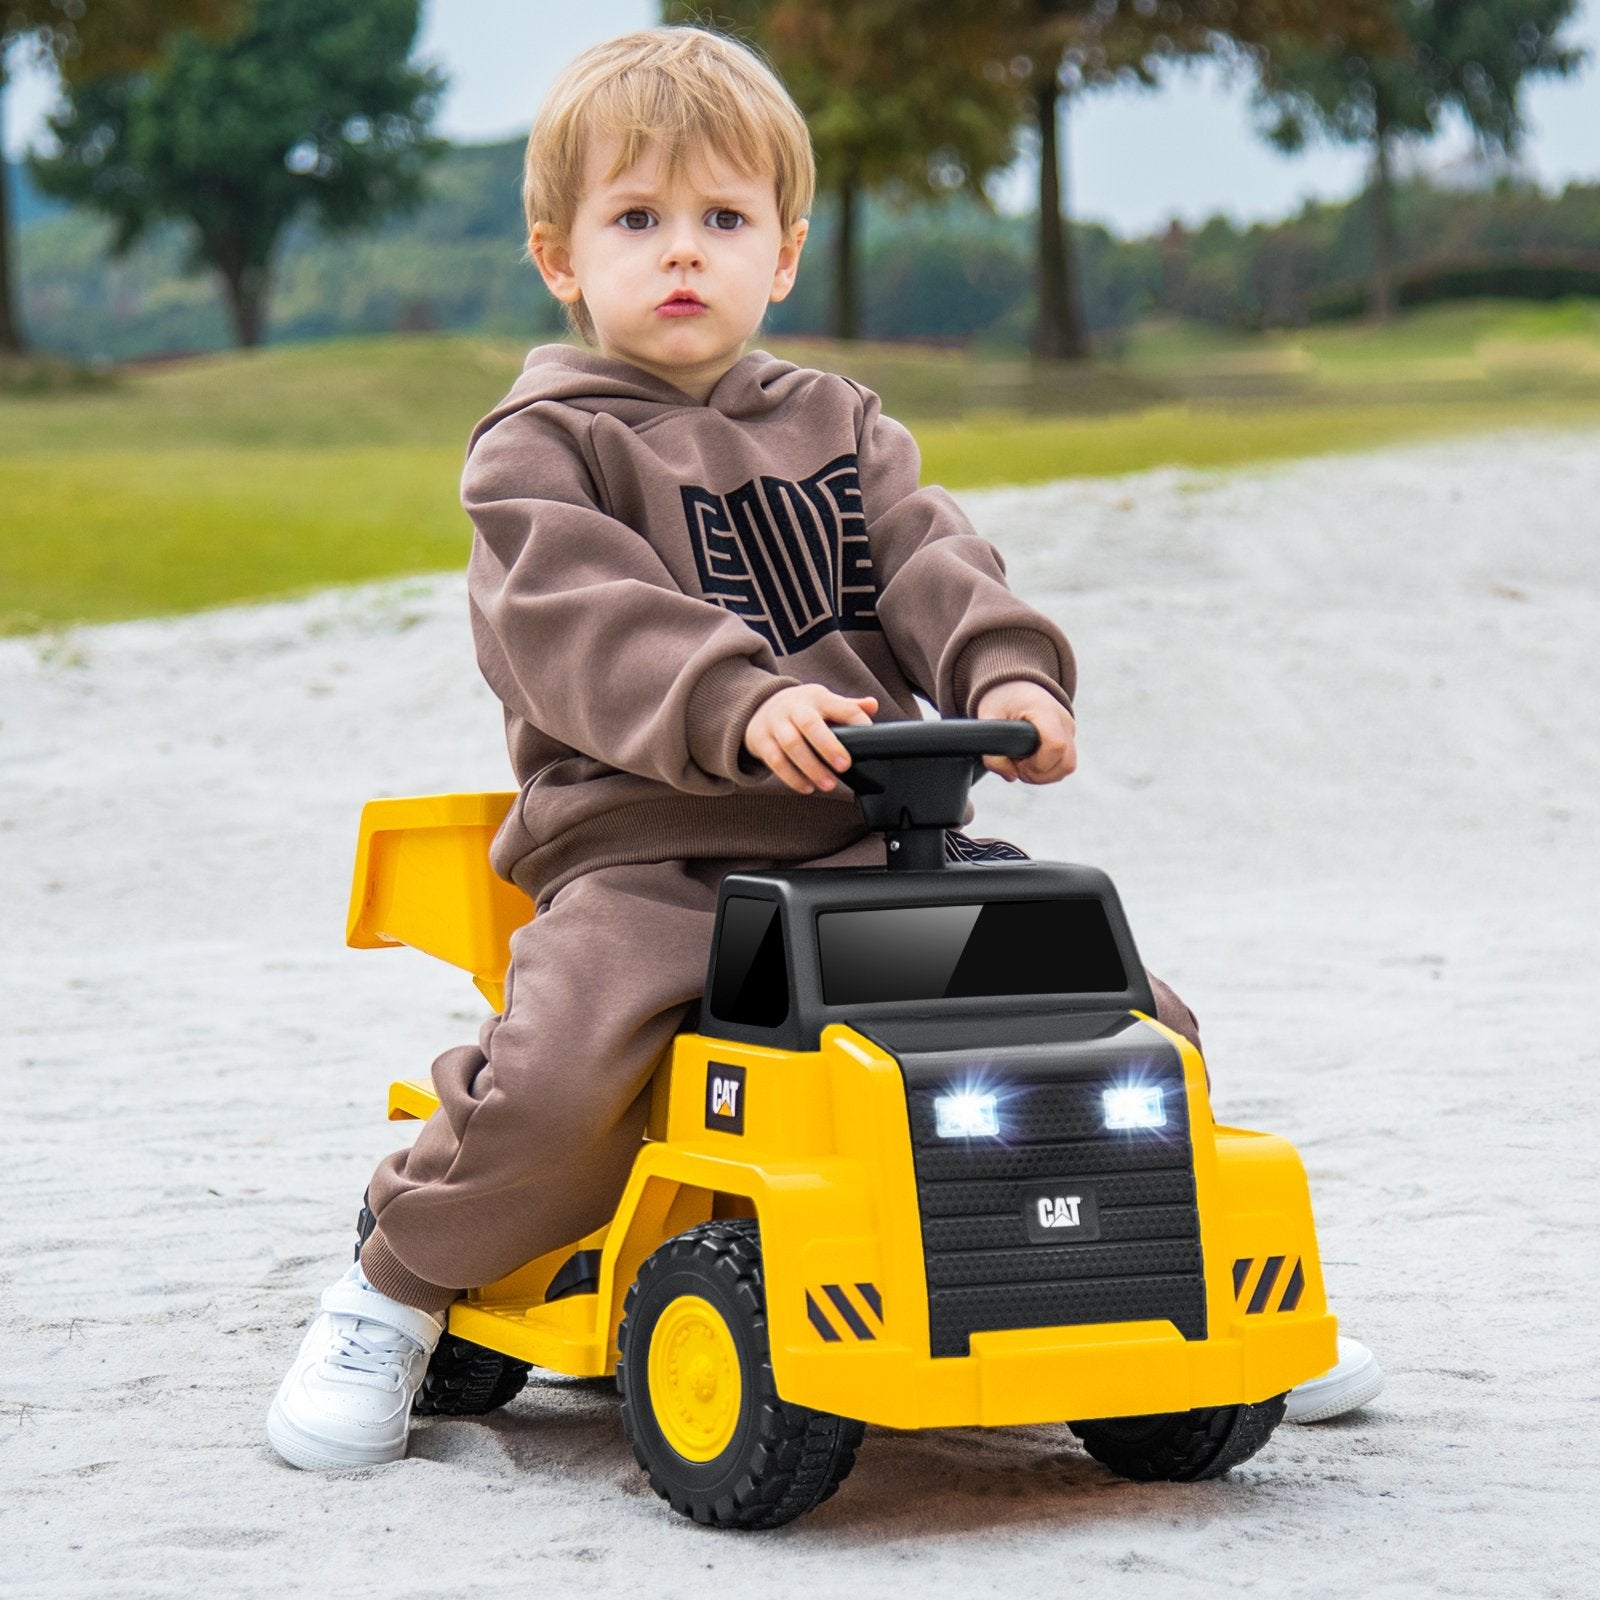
point(698, 1401)
point(1183, 1446)
point(468, 1380)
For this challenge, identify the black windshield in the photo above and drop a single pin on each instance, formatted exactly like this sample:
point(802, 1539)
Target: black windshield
point(955, 952)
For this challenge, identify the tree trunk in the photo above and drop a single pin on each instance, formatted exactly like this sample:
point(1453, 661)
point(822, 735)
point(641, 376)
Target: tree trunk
point(1385, 249)
point(247, 301)
point(1060, 334)
point(846, 301)
point(12, 342)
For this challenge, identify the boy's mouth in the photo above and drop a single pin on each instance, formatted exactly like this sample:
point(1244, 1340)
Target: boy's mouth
point(681, 303)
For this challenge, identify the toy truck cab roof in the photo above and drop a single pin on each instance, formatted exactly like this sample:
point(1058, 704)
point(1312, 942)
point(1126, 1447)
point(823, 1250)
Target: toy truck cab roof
point(944, 950)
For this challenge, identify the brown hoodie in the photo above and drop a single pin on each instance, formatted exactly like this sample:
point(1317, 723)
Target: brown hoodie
point(647, 570)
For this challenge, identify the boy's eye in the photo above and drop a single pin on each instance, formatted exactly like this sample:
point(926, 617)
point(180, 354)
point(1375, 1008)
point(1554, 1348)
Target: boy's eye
point(726, 221)
point(635, 221)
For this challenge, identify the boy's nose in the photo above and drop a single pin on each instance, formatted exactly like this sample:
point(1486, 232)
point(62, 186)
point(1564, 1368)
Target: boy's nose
point(681, 248)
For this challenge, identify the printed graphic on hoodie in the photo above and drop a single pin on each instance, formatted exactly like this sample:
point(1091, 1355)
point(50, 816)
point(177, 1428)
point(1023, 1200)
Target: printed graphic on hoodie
point(789, 559)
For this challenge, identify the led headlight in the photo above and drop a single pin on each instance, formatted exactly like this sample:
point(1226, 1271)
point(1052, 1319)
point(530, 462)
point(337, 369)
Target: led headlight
point(965, 1115)
point(1135, 1105)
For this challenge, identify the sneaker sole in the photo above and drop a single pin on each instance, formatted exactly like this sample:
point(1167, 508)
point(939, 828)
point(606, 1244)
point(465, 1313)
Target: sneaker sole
point(1351, 1396)
point(307, 1451)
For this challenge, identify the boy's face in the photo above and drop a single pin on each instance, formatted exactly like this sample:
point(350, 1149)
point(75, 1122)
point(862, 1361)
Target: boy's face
point(676, 273)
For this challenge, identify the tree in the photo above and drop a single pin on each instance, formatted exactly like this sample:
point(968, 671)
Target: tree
point(904, 95)
point(84, 39)
point(1472, 55)
point(1075, 46)
point(312, 109)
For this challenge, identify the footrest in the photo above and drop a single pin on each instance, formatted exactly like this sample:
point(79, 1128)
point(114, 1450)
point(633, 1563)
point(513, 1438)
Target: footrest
point(411, 1100)
point(561, 1336)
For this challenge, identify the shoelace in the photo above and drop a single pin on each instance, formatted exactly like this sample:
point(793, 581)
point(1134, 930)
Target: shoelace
point(372, 1353)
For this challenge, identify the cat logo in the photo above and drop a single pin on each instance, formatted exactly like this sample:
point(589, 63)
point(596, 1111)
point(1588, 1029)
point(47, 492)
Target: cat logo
point(1063, 1212)
point(724, 1097)
point(1059, 1211)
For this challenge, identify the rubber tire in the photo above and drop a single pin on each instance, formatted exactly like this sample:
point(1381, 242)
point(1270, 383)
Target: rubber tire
point(783, 1459)
point(1183, 1446)
point(468, 1380)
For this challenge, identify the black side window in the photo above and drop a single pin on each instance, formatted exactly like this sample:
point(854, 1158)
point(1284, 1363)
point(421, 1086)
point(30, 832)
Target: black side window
point(750, 983)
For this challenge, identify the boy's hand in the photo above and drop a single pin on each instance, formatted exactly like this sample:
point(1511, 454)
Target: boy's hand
point(1057, 752)
point(789, 732)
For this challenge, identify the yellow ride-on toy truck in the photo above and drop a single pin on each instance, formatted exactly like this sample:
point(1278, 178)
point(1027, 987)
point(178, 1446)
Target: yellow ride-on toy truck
point(927, 1161)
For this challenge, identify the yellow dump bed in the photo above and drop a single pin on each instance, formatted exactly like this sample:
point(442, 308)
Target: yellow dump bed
point(423, 879)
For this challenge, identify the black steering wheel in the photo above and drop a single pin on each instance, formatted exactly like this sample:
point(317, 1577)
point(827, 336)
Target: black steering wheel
point(955, 736)
point(912, 778)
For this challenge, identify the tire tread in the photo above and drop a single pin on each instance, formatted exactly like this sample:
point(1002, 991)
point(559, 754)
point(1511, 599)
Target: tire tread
point(468, 1380)
point(800, 1456)
point(1185, 1446)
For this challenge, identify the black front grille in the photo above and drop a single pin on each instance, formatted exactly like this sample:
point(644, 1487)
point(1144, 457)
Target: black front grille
point(984, 1270)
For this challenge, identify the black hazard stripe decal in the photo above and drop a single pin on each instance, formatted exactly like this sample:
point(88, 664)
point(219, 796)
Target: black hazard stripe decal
point(1291, 1295)
point(1269, 1276)
point(850, 1318)
point(853, 1318)
point(1271, 1273)
point(820, 1322)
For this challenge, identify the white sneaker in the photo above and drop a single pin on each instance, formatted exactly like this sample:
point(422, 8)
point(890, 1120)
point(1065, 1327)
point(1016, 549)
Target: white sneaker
point(1352, 1383)
point(347, 1399)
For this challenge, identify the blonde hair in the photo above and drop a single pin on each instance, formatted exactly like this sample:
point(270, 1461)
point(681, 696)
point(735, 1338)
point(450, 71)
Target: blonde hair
point(681, 89)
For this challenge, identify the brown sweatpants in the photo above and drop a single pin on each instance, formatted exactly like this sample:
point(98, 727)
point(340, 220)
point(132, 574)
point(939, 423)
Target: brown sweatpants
point(539, 1122)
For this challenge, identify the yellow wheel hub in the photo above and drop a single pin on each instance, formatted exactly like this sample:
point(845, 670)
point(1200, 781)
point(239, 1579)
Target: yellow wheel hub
point(695, 1384)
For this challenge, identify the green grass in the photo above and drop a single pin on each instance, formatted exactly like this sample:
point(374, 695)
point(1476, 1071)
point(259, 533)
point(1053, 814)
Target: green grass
point(172, 488)
point(123, 533)
point(424, 390)
point(239, 477)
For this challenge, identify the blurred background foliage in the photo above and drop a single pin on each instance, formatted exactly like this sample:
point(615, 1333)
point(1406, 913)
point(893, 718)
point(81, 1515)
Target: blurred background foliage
point(284, 147)
point(943, 271)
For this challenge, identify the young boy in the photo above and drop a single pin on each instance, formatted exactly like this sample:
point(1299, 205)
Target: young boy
point(689, 563)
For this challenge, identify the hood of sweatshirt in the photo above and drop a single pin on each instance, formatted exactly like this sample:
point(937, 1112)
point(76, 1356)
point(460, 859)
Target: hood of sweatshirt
point(754, 385)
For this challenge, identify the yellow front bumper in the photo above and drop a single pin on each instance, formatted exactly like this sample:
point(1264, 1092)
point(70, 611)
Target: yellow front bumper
point(1061, 1374)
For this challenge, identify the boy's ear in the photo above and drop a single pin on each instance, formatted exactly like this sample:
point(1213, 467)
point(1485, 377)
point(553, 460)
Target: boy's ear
point(553, 257)
point(789, 260)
